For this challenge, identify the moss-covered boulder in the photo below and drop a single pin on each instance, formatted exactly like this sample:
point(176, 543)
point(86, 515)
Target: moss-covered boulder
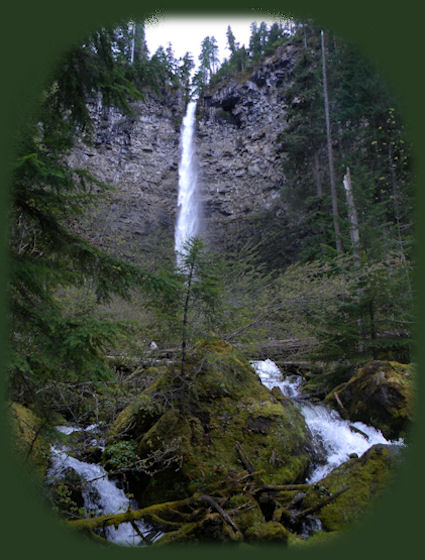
point(138, 416)
point(379, 394)
point(28, 441)
point(366, 478)
point(268, 532)
point(226, 421)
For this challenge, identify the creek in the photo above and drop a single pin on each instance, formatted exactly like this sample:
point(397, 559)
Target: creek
point(334, 438)
point(100, 493)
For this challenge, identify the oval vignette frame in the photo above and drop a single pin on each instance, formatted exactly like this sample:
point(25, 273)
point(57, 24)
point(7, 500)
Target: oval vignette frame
point(30, 47)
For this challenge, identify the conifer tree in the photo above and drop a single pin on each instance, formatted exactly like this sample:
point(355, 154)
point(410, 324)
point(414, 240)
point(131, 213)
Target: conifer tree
point(46, 255)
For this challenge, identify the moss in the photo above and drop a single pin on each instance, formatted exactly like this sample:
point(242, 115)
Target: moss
point(367, 477)
point(183, 534)
point(244, 511)
point(29, 441)
point(226, 404)
point(380, 393)
point(271, 531)
point(136, 418)
point(320, 538)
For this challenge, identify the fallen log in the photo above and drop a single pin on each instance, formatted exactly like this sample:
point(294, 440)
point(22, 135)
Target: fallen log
point(209, 500)
point(322, 503)
point(130, 515)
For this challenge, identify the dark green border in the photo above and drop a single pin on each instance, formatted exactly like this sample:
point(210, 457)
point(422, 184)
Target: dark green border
point(32, 36)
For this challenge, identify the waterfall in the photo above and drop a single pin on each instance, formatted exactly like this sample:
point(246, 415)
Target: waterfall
point(100, 494)
point(334, 438)
point(188, 206)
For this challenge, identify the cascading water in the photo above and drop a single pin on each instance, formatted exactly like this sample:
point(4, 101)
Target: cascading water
point(188, 219)
point(100, 494)
point(334, 437)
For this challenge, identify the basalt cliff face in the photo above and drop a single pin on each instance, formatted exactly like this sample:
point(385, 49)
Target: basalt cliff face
point(138, 157)
point(238, 153)
point(239, 149)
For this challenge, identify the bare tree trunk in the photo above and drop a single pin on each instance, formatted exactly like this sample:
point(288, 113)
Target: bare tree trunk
point(352, 216)
point(133, 34)
point(316, 174)
point(305, 37)
point(355, 243)
point(185, 319)
point(335, 212)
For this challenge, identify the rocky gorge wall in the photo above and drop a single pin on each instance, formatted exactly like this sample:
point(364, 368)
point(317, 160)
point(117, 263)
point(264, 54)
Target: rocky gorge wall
point(239, 148)
point(138, 156)
point(238, 157)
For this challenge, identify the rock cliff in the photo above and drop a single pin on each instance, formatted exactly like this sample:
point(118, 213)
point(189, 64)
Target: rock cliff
point(239, 148)
point(238, 151)
point(138, 156)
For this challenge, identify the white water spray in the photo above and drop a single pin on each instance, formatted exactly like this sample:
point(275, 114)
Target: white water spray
point(188, 205)
point(334, 437)
point(100, 494)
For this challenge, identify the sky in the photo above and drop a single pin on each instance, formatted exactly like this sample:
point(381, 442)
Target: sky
point(186, 33)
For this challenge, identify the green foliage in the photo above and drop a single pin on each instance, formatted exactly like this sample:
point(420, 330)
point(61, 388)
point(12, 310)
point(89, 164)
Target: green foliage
point(120, 455)
point(353, 310)
point(46, 256)
point(368, 137)
point(62, 497)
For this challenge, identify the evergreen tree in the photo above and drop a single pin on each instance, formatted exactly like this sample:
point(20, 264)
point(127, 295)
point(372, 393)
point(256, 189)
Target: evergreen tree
point(185, 68)
point(209, 55)
point(46, 255)
point(231, 41)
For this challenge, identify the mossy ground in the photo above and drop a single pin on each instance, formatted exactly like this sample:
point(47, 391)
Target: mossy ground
point(224, 403)
point(366, 478)
point(28, 440)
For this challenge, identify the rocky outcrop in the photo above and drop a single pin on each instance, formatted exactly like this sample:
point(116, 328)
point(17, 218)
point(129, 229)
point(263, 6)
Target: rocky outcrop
point(360, 480)
point(381, 394)
point(239, 149)
point(138, 156)
point(226, 419)
point(238, 154)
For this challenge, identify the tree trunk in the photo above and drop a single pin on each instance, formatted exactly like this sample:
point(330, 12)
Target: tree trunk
point(371, 310)
point(316, 174)
point(352, 216)
point(355, 243)
point(396, 207)
point(335, 213)
point(185, 319)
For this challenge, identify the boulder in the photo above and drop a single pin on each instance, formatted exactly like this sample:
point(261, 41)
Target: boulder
point(379, 394)
point(225, 422)
point(28, 440)
point(366, 478)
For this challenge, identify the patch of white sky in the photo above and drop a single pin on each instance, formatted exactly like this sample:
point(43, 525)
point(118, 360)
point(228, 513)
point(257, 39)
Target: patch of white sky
point(185, 33)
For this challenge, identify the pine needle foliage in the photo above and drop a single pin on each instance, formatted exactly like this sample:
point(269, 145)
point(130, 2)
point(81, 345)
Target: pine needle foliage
point(45, 252)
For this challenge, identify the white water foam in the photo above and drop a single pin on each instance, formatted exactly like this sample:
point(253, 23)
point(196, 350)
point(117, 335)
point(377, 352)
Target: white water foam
point(100, 495)
point(188, 220)
point(333, 436)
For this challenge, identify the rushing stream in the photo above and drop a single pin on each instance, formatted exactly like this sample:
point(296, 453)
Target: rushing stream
point(334, 437)
point(100, 494)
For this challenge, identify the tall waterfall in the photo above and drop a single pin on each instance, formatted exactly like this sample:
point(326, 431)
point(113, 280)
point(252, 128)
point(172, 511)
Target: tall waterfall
point(188, 206)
